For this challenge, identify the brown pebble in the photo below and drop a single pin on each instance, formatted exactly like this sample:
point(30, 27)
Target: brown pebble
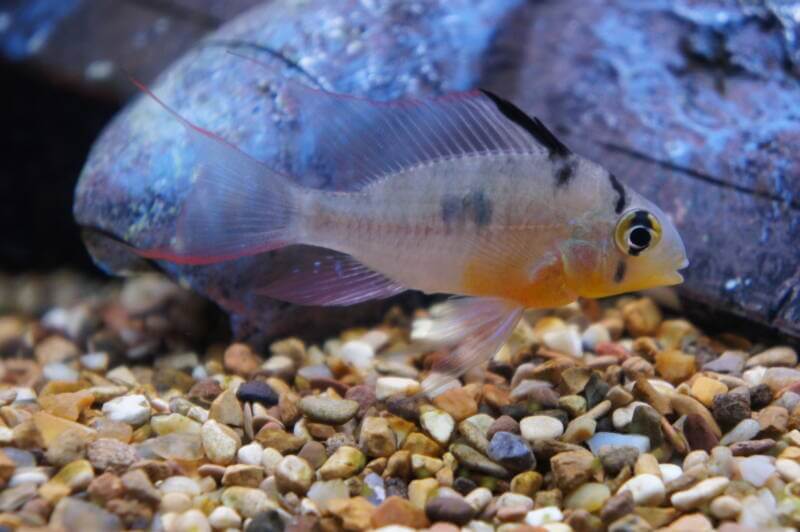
point(699, 433)
point(398, 511)
point(105, 487)
point(617, 506)
point(241, 360)
point(503, 424)
point(751, 447)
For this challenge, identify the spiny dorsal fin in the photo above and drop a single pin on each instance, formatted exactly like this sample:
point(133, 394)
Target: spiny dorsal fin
point(532, 125)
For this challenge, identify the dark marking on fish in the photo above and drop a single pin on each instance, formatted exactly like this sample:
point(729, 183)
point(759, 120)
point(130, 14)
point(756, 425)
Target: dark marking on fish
point(481, 208)
point(642, 218)
point(474, 206)
point(451, 210)
point(619, 273)
point(532, 125)
point(622, 198)
point(565, 171)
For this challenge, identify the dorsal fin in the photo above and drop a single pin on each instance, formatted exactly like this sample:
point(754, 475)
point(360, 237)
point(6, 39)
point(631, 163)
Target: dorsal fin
point(358, 140)
point(532, 125)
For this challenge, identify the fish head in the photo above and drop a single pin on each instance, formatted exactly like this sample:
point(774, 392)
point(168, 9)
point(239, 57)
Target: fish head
point(636, 249)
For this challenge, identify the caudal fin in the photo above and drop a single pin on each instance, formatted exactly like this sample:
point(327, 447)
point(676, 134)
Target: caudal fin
point(237, 206)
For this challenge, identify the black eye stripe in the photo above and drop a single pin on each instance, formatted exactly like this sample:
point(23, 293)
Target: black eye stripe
point(641, 218)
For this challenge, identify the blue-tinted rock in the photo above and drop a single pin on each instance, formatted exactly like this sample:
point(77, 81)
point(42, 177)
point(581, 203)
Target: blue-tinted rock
point(511, 451)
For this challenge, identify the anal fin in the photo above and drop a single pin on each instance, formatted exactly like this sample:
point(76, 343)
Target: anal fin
point(474, 327)
point(316, 276)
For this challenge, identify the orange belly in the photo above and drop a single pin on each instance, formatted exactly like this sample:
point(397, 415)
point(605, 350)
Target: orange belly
point(510, 280)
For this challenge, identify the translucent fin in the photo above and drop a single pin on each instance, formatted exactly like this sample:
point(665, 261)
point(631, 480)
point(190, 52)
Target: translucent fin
point(363, 140)
point(237, 205)
point(476, 326)
point(326, 278)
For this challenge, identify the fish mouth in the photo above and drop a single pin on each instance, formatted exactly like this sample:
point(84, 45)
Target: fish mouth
point(675, 277)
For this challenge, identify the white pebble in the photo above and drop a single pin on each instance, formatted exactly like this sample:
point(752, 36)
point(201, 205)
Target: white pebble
point(386, 387)
point(270, 459)
point(24, 395)
point(250, 454)
point(746, 429)
point(479, 498)
point(700, 493)
point(175, 502)
point(566, 341)
point(95, 361)
point(193, 520)
point(131, 409)
point(622, 417)
point(647, 490)
point(595, 334)
point(788, 469)
point(541, 516)
point(535, 428)
point(376, 338)
point(223, 517)
point(440, 425)
point(511, 500)
point(27, 475)
point(180, 484)
point(756, 469)
point(58, 371)
point(358, 354)
point(725, 507)
point(754, 376)
point(670, 472)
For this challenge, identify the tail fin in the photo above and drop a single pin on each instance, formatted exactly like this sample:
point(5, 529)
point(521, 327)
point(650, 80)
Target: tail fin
point(237, 206)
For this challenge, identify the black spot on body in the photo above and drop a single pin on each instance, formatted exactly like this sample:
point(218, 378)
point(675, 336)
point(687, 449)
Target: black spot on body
point(481, 209)
point(619, 273)
point(565, 171)
point(474, 206)
point(534, 126)
point(621, 195)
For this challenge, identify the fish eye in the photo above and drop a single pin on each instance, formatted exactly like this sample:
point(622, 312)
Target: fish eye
point(637, 231)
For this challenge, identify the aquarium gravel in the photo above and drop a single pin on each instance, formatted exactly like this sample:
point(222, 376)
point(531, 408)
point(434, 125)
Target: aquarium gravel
point(121, 409)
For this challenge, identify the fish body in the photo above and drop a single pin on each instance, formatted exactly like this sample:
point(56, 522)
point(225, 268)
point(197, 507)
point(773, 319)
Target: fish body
point(464, 195)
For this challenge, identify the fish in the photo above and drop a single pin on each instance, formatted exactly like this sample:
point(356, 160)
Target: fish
point(463, 194)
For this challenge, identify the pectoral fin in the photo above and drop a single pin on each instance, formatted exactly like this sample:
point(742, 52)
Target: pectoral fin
point(475, 327)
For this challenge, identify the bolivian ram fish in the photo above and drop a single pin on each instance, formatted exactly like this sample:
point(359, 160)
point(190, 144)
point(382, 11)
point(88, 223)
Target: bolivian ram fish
point(463, 194)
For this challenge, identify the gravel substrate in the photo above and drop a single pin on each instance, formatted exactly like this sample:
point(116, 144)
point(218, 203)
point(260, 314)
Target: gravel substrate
point(115, 414)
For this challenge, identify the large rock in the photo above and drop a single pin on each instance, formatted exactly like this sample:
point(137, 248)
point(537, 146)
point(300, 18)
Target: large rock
point(140, 169)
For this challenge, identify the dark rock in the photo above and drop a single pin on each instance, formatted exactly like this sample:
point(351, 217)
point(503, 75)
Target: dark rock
point(751, 447)
point(615, 458)
point(204, 392)
point(257, 392)
point(396, 486)
point(404, 407)
point(511, 451)
point(699, 434)
point(647, 421)
point(617, 506)
point(596, 390)
point(464, 485)
point(269, 521)
point(362, 394)
point(450, 510)
point(503, 424)
point(515, 410)
point(730, 408)
point(760, 396)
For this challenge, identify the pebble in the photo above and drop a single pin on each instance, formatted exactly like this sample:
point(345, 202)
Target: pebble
point(669, 472)
point(704, 389)
point(543, 516)
point(250, 454)
point(323, 491)
point(386, 387)
point(131, 409)
point(248, 502)
point(27, 475)
point(326, 410)
point(227, 409)
point(358, 354)
point(580, 429)
point(511, 451)
point(594, 335)
point(439, 424)
point(457, 402)
point(180, 484)
point(479, 498)
point(775, 356)
point(699, 494)
point(730, 363)
point(675, 366)
point(223, 518)
point(613, 439)
point(450, 509)
point(397, 514)
point(756, 469)
point(257, 392)
point(293, 474)
point(566, 340)
point(535, 428)
point(725, 507)
point(746, 429)
point(109, 454)
point(193, 520)
point(475, 461)
point(731, 408)
point(220, 442)
point(622, 417)
point(615, 458)
point(590, 497)
point(647, 490)
point(572, 468)
point(789, 470)
point(345, 462)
